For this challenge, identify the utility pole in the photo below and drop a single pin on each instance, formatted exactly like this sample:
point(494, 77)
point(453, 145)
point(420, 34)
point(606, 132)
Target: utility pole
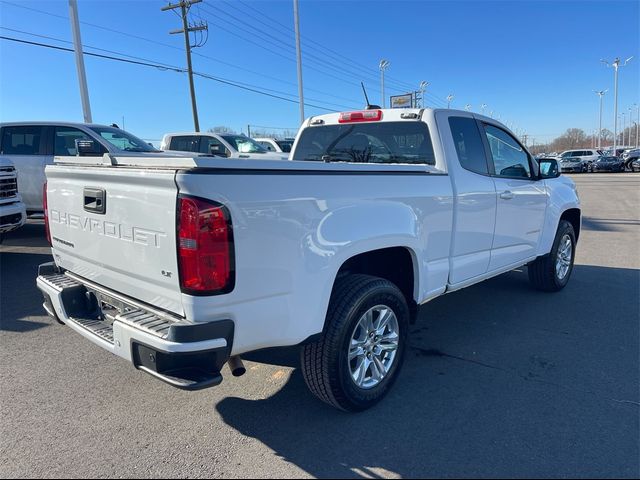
point(601, 95)
point(299, 59)
point(184, 6)
point(384, 64)
point(82, 76)
point(616, 65)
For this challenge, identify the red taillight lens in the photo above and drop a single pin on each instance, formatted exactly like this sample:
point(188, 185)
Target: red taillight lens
point(205, 247)
point(46, 212)
point(362, 116)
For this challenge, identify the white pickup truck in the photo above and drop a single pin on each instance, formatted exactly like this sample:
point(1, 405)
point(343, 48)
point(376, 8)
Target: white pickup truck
point(181, 265)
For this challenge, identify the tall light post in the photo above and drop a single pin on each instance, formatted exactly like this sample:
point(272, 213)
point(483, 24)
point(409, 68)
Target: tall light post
point(298, 59)
point(637, 123)
point(423, 87)
point(601, 95)
point(616, 65)
point(77, 46)
point(624, 126)
point(449, 98)
point(384, 64)
point(482, 107)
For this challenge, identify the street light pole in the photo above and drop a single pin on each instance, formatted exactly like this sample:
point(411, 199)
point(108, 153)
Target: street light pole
point(423, 87)
point(82, 76)
point(299, 59)
point(616, 65)
point(601, 95)
point(449, 98)
point(384, 64)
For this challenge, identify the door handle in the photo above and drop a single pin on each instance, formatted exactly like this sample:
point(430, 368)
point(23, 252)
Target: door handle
point(506, 195)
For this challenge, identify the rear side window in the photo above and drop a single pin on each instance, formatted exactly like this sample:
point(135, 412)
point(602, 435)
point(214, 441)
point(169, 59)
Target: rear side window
point(211, 146)
point(21, 140)
point(185, 143)
point(469, 146)
point(388, 142)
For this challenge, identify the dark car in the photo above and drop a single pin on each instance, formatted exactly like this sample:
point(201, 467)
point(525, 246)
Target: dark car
point(629, 156)
point(607, 164)
point(635, 165)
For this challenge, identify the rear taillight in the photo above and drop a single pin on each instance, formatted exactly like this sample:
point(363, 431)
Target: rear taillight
point(46, 212)
point(205, 247)
point(362, 116)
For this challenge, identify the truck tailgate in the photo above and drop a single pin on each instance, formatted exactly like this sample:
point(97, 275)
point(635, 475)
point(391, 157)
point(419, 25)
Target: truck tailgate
point(116, 227)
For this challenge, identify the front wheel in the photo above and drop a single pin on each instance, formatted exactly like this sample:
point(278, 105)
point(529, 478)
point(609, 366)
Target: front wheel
point(551, 273)
point(359, 356)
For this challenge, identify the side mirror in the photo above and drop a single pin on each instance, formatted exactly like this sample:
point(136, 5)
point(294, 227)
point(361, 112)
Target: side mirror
point(87, 148)
point(549, 168)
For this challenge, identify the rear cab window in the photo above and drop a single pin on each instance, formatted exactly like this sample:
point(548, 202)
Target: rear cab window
point(380, 143)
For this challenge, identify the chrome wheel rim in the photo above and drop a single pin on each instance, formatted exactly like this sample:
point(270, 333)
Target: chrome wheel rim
point(373, 346)
point(563, 259)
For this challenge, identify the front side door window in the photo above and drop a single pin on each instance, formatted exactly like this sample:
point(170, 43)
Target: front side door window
point(509, 158)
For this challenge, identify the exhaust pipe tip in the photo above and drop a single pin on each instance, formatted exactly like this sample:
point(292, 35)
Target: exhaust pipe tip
point(236, 366)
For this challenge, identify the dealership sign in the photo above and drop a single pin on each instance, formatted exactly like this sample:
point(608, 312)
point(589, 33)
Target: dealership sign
point(402, 101)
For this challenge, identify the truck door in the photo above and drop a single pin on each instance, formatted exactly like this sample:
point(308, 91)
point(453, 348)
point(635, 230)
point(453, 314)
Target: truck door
point(474, 194)
point(521, 199)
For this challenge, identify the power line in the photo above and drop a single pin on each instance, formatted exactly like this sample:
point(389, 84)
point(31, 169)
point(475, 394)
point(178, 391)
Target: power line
point(149, 40)
point(164, 67)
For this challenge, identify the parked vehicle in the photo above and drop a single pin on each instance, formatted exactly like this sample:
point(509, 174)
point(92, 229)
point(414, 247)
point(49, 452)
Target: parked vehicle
point(32, 145)
point(229, 145)
point(183, 267)
point(572, 165)
point(635, 165)
point(629, 156)
point(13, 213)
point(274, 145)
point(607, 164)
point(586, 157)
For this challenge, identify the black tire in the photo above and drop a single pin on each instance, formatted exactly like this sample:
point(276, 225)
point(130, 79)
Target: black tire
point(542, 271)
point(325, 363)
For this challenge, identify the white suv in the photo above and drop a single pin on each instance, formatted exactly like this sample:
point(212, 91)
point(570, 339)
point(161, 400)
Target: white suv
point(586, 157)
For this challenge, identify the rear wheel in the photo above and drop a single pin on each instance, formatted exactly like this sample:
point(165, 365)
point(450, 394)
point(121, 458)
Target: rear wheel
point(551, 273)
point(359, 356)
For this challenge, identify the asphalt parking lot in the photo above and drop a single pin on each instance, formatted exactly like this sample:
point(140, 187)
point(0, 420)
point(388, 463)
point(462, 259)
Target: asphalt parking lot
point(501, 381)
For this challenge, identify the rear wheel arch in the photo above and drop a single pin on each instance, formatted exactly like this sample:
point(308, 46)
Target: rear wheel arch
point(395, 264)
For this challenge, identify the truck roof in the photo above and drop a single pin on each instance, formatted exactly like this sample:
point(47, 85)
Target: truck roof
point(48, 123)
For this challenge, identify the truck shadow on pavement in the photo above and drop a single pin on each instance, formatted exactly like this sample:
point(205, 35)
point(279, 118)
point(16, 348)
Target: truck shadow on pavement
point(501, 381)
point(20, 299)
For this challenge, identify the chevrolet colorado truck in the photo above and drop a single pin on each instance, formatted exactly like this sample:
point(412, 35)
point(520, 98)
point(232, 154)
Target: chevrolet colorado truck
point(182, 265)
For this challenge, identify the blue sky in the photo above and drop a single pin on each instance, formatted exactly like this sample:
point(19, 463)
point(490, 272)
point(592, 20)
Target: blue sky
point(535, 64)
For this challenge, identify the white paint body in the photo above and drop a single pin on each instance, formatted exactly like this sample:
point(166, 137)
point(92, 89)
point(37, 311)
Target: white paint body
point(11, 204)
point(295, 223)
